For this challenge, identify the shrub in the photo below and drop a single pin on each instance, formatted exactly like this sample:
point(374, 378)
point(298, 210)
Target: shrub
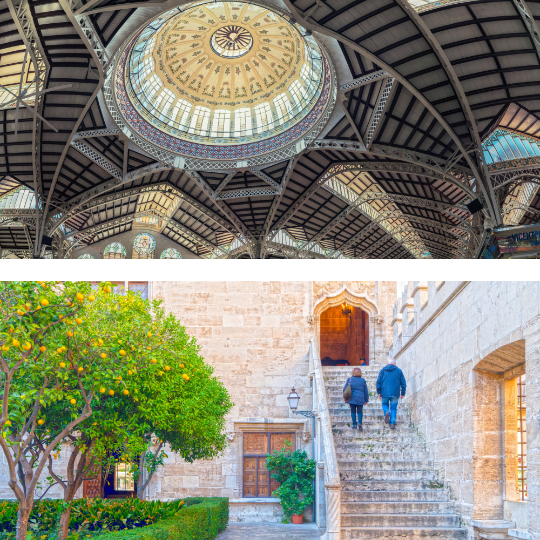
point(296, 473)
point(201, 519)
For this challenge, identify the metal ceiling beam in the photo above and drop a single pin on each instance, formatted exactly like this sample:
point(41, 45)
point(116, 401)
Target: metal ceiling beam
point(96, 133)
point(247, 192)
point(314, 26)
point(86, 31)
point(365, 79)
point(277, 201)
point(375, 121)
point(224, 182)
point(481, 172)
point(94, 155)
point(263, 176)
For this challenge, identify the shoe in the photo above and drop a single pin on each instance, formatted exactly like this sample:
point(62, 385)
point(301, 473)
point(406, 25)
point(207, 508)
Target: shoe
point(392, 426)
point(387, 418)
point(360, 428)
point(354, 426)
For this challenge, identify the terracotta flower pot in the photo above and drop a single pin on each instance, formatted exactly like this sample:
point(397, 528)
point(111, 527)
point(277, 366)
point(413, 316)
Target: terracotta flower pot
point(298, 519)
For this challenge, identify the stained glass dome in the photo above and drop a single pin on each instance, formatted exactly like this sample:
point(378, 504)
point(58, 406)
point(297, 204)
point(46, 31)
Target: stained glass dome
point(115, 249)
point(171, 253)
point(86, 256)
point(222, 74)
point(144, 244)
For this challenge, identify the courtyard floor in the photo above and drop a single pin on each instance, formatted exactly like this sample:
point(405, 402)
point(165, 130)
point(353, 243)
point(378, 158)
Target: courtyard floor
point(270, 531)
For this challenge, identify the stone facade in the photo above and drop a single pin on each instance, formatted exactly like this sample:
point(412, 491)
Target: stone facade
point(461, 346)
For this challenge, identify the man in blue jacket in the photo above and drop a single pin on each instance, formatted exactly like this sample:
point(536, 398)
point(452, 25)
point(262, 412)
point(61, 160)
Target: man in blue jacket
point(390, 385)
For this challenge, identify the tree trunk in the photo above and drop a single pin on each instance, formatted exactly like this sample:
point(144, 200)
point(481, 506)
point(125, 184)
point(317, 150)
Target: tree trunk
point(140, 484)
point(63, 529)
point(23, 515)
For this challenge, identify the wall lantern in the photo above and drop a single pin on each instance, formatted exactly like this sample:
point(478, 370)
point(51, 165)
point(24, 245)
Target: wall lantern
point(294, 399)
point(346, 310)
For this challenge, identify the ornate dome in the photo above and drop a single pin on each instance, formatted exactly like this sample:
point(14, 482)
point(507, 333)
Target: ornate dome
point(222, 75)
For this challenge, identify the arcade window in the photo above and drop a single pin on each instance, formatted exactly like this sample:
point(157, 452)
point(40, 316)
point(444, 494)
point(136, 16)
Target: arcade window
point(521, 439)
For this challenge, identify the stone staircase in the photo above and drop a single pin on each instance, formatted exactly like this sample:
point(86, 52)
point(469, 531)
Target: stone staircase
point(389, 488)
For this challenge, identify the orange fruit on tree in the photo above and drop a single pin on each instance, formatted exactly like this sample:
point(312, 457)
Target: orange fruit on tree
point(130, 372)
point(70, 334)
point(43, 348)
point(167, 368)
point(80, 297)
point(111, 392)
point(63, 348)
point(181, 365)
point(59, 350)
point(44, 302)
point(153, 360)
point(103, 355)
point(5, 348)
point(185, 377)
point(91, 298)
point(20, 313)
point(15, 342)
point(78, 320)
point(8, 423)
point(122, 352)
point(62, 364)
point(100, 341)
point(126, 392)
point(41, 421)
point(149, 334)
point(80, 368)
point(106, 289)
point(73, 401)
point(102, 390)
point(27, 346)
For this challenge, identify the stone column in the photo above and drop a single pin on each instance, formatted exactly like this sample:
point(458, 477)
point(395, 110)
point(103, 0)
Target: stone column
point(333, 511)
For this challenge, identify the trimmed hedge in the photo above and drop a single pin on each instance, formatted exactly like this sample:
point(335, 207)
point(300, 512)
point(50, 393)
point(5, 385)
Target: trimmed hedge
point(202, 518)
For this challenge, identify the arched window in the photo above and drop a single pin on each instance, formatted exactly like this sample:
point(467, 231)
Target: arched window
point(144, 245)
point(298, 92)
point(242, 123)
point(164, 102)
point(263, 117)
point(86, 256)
point(221, 126)
point(171, 253)
point(115, 251)
point(180, 113)
point(200, 120)
point(283, 107)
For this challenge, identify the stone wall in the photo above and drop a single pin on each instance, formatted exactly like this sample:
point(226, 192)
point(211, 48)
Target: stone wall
point(461, 345)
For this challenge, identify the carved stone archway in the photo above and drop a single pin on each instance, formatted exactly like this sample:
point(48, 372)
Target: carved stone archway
point(359, 294)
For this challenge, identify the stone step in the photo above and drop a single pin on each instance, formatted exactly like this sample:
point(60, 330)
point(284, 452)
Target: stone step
point(389, 436)
point(400, 520)
point(401, 507)
point(390, 485)
point(345, 416)
point(370, 429)
point(385, 466)
point(388, 476)
point(398, 455)
point(418, 495)
point(370, 447)
point(400, 533)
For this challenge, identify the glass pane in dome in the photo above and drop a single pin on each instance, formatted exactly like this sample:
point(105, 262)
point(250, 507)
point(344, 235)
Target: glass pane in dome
point(144, 244)
point(86, 256)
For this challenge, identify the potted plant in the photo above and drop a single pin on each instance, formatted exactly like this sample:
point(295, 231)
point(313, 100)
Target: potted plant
point(296, 473)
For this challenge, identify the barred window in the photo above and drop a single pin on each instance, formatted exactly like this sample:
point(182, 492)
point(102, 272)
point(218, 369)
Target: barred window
point(242, 123)
point(298, 92)
point(200, 121)
point(180, 113)
point(221, 126)
point(283, 107)
point(263, 117)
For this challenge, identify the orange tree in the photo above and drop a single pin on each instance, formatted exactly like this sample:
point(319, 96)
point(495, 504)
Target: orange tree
point(107, 372)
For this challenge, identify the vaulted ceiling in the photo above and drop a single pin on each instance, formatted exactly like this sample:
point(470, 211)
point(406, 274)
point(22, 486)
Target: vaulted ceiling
point(421, 88)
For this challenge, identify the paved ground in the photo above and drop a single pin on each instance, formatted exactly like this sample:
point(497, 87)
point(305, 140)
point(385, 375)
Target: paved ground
point(270, 531)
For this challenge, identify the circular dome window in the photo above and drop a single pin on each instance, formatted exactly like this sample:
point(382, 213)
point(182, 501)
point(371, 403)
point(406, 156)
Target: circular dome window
point(223, 80)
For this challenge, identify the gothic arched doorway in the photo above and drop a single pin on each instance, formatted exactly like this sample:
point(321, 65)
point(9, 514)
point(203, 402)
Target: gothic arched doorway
point(344, 336)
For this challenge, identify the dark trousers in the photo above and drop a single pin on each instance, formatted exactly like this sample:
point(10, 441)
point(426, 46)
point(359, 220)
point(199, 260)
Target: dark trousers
point(354, 410)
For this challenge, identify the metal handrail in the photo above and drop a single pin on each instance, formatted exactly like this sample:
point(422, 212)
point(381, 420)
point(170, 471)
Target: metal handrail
point(332, 482)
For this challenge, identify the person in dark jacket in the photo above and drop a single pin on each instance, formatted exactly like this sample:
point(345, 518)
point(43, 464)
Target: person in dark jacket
point(359, 397)
point(390, 385)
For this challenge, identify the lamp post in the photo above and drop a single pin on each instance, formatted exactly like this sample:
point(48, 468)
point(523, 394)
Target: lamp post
point(294, 399)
